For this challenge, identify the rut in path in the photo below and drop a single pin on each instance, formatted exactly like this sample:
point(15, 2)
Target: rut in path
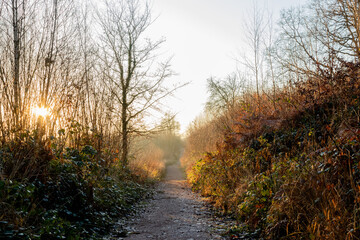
point(174, 213)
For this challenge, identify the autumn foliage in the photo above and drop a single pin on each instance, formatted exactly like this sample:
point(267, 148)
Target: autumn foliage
point(289, 169)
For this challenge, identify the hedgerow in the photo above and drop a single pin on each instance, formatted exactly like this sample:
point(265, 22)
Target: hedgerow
point(298, 178)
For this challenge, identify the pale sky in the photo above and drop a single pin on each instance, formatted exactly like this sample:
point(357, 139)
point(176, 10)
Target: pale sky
point(204, 37)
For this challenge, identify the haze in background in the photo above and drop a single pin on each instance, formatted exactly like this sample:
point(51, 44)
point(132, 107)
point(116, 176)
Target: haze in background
point(204, 37)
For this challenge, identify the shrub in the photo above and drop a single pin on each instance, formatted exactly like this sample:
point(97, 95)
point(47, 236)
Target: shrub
point(76, 198)
point(292, 174)
point(25, 158)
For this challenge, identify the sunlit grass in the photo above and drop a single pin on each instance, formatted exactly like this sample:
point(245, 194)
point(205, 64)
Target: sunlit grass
point(149, 163)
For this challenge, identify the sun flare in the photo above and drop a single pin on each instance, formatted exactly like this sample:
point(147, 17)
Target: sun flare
point(41, 111)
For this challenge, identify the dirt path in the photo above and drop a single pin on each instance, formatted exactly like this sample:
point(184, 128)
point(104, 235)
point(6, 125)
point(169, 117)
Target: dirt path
point(174, 213)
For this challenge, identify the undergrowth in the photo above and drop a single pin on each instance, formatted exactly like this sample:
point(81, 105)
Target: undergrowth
point(293, 174)
point(70, 193)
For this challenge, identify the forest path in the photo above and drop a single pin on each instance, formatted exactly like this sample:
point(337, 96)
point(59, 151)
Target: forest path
point(175, 213)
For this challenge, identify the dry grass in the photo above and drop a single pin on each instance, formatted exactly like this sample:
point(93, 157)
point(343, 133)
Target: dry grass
point(148, 163)
point(289, 168)
point(203, 136)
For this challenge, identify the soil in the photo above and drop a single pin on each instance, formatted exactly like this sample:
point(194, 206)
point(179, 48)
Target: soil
point(175, 212)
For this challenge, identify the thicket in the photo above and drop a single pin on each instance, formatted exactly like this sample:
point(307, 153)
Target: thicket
point(70, 193)
point(295, 174)
point(284, 159)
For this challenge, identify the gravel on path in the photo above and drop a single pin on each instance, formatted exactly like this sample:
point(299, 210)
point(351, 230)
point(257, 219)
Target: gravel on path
point(174, 213)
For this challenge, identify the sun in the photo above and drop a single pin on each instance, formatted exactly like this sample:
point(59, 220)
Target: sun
point(41, 111)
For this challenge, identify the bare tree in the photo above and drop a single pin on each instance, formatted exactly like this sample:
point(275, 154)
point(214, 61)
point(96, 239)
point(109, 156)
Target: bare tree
point(317, 37)
point(38, 62)
point(255, 27)
point(48, 61)
point(169, 125)
point(16, 65)
point(340, 25)
point(224, 93)
point(269, 46)
point(17, 25)
point(12, 29)
point(298, 49)
point(133, 77)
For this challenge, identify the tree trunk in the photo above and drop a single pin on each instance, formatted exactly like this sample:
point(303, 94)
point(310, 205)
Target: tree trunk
point(124, 130)
point(16, 32)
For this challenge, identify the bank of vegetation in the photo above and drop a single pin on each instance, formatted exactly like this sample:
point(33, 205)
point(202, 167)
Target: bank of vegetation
point(283, 155)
